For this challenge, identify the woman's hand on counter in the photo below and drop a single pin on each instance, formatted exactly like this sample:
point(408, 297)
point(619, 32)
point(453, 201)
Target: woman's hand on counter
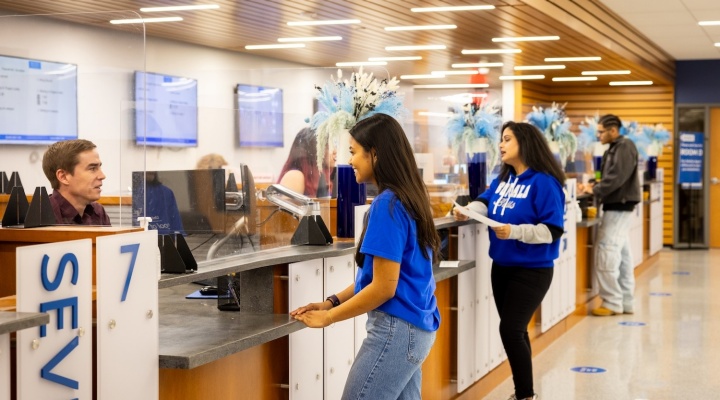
point(314, 315)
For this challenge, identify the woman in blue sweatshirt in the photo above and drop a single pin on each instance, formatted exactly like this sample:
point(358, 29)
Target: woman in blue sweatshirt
point(528, 198)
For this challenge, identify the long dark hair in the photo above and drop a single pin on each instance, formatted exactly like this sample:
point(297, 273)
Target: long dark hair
point(534, 151)
point(303, 157)
point(395, 169)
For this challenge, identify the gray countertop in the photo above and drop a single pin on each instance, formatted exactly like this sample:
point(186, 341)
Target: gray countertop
point(194, 332)
point(15, 321)
point(588, 222)
point(248, 261)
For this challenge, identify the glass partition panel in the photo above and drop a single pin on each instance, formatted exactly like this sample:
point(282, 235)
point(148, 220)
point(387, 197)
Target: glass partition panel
point(69, 76)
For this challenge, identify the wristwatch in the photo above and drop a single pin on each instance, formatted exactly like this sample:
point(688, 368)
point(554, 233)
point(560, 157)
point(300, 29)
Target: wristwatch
point(333, 300)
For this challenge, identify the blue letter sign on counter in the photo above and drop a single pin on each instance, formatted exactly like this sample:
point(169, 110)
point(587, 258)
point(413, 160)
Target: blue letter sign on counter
point(55, 361)
point(127, 316)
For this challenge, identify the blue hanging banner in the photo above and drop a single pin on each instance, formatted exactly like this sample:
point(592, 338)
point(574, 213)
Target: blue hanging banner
point(691, 157)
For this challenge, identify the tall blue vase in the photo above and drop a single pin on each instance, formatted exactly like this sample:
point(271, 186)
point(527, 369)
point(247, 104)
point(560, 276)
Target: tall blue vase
point(349, 194)
point(477, 174)
point(652, 168)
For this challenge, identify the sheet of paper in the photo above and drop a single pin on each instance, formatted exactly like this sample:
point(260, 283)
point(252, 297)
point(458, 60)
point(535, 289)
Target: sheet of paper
point(449, 264)
point(478, 217)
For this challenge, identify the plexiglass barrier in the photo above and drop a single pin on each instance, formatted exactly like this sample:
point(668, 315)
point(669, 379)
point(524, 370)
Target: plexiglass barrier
point(182, 132)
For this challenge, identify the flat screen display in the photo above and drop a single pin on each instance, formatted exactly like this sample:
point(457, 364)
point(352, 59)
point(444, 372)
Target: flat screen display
point(260, 116)
point(166, 110)
point(38, 101)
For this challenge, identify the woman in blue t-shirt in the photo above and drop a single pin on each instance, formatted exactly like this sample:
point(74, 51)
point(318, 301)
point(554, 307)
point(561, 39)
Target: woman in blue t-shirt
point(528, 198)
point(395, 284)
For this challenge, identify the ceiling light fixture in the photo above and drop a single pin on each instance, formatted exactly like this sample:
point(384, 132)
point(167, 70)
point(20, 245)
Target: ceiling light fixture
point(144, 20)
point(425, 76)
point(324, 22)
point(408, 58)
point(537, 67)
point(419, 27)
point(463, 97)
point(477, 65)
point(520, 77)
point(568, 59)
point(359, 63)
point(435, 114)
point(524, 38)
point(608, 72)
point(181, 8)
point(574, 78)
point(467, 72)
point(309, 39)
point(717, 44)
point(274, 46)
point(708, 23)
point(630, 83)
point(456, 8)
point(421, 47)
point(452, 86)
point(492, 51)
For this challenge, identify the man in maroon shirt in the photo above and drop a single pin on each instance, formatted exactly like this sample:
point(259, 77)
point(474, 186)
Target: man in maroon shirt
point(73, 168)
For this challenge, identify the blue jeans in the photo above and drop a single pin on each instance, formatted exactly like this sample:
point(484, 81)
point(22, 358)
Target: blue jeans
point(388, 365)
point(613, 262)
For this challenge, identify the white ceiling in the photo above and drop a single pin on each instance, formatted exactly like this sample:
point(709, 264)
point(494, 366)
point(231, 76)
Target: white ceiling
point(673, 25)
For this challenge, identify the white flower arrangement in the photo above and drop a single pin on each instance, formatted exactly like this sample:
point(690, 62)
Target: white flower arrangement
point(346, 102)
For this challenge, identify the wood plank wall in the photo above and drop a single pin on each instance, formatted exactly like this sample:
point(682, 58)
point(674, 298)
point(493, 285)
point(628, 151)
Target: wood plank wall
point(643, 104)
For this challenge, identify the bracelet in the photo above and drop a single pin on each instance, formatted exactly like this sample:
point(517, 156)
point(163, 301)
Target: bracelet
point(333, 300)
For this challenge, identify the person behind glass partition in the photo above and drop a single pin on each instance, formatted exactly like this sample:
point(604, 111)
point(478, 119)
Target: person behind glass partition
point(74, 170)
point(300, 172)
point(395, 285)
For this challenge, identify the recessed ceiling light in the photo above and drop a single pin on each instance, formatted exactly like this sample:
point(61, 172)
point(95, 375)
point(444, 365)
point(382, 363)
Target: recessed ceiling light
point(309, 39)
point(456, 8)
point(708, 23)
point(408, 58)
point(606, 72)
point(520, 77)
point(324, 22)
point(420, 27)
point(717, 44)
point(466, 72)
point(574, 78)
point(274, 46)
point(144, 20)
point(492, 51)
point(359, 63)
point(564, 59)
point(421, 47)
point(425, 76)
point(452, 86)
point(435, 114)
point(525, 38)
point(630, 83)
point(537, 67)
point(181, 8)
point(478, 65)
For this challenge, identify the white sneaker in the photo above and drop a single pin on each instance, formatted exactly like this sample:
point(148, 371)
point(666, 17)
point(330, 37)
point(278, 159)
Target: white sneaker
point(534, 397)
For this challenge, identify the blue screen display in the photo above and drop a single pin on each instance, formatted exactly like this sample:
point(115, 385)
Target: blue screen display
point(38, 101)
point(260, 116)
point(166, 110)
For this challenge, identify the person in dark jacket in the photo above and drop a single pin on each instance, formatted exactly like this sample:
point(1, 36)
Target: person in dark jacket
point(619, 191)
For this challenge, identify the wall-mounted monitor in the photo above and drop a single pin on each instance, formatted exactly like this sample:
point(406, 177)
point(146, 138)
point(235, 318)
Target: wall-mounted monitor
point(166, 110)
point(38, 101)
point(260, 116)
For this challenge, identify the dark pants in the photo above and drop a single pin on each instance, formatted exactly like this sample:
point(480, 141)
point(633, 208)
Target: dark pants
point(518, 292)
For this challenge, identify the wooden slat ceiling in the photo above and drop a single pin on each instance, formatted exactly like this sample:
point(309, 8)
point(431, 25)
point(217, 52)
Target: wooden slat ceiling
point(585, 27)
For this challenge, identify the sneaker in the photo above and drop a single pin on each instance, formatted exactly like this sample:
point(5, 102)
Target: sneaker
point(513, 397)
point(603, 312)
point(628, 311)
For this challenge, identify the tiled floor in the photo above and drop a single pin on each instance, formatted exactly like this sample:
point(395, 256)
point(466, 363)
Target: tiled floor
point(669, 349)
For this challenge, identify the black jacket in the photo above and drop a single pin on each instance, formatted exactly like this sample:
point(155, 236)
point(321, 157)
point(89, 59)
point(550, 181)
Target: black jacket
point(619, 187)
